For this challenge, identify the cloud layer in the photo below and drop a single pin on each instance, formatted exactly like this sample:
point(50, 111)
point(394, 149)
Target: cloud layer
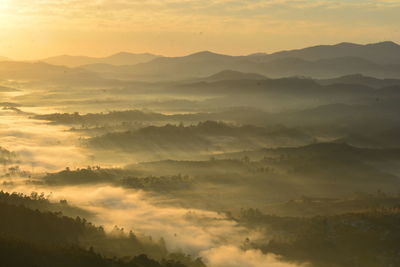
point(232, 256)
point(207, 234)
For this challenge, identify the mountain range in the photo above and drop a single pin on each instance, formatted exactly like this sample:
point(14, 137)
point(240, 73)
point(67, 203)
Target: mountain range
point(41, 71)
point(361, 80)
point(230, 75)
point(380, 60)
point(122, 58)
point(377, 60)
point(384, 52)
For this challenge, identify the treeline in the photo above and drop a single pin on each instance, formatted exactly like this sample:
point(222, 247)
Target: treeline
point(205, 136)
point(312, 206)
point(101, 118)
point(240, 115)
point(326, 167)
point(44, 238)
point(39, 201)
point(17, 253)
point(118, 177)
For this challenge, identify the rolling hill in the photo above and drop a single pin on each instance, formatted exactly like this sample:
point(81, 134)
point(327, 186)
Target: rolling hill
point(206, 63)
point(43, 72)
point(361, 80)
point(122, 58)
point(384, 52)
point(229, 75)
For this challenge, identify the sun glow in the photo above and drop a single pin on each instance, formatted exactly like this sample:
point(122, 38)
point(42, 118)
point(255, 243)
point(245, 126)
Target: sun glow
point(4, 4)
point(4, 14)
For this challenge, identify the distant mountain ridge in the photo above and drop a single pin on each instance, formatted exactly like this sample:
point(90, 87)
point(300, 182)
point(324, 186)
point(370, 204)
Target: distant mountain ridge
point(41, 71)
point(229, 75)
point(380, 60)
point(189, 67)
point(122, 58)
point(383, 52)
point(361, 80)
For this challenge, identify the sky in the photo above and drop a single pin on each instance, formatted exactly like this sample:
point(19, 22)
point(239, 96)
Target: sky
point(34, 29)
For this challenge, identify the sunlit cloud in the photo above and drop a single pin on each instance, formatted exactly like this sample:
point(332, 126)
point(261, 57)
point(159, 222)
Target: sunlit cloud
point(233, 257)
point(203, 233)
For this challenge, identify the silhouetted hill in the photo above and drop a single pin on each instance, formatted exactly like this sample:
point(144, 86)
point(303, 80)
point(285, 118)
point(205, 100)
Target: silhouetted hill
point(283, 87)
point(294, 85)
point(327, 151)
point(19, 253)
point(377, 60)
point(326, 61)
point(329, 67)
point(359, 202)
point(40, 202)
point(102, 118)
point(206, 64)
point(127, 117)
point(321, 169)
point(41, 71)
point(195, 65)
point(383, 52)
point(206, 55)
point(232, 75)
point(205, 137)
point(28, 232)
point(362, 80)
point(122, 58)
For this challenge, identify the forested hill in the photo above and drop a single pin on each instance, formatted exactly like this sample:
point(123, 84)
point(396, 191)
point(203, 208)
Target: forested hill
point(45, 239)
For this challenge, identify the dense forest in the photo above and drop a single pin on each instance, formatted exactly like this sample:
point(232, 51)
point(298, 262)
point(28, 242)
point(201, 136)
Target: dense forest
point(44, 238)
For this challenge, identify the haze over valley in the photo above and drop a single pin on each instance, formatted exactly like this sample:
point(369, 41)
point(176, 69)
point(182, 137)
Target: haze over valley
point(208, 151)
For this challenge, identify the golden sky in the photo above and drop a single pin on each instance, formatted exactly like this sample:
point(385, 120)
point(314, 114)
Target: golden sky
point(31, 29)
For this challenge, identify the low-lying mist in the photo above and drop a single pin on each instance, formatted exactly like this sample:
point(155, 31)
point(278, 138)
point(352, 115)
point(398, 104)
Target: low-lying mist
point(201, 233)
point(235, 168)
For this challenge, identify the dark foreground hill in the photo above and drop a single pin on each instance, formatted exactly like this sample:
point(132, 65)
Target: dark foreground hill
point(35, 238)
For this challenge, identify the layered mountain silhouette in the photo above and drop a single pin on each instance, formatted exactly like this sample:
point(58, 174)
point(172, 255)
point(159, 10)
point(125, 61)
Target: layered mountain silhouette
point(380, 60)
point(384, 52)
point(122, 58)
point(321, 62)
point(361, 80)
point(41, 71)
point(230, 75)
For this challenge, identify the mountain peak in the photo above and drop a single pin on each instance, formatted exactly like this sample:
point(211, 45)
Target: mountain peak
point(206, 54)
point(384, 44)
point(258, 54)
point(124, 53)
point(347, 44)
